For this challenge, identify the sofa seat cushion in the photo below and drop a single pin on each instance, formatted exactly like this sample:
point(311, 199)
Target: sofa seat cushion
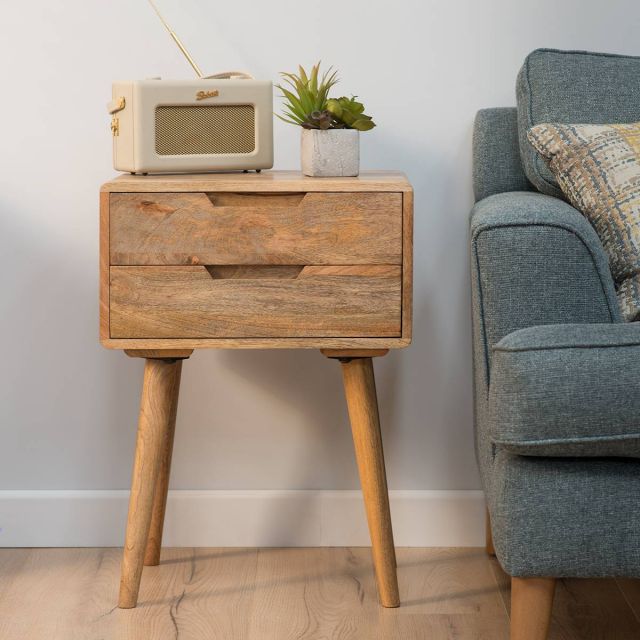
point(598, 169)
point(567, 391)
point(572, 87)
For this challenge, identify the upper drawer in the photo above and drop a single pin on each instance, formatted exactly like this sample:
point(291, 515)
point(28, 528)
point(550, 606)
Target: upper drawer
point(255, 228)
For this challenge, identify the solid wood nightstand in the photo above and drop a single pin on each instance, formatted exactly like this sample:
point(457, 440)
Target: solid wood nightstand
point(273, 260)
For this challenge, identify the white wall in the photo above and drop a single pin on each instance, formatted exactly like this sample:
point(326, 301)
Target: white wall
point(249, 420)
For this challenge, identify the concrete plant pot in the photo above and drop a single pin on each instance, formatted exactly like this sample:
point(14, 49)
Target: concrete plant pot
point(330, 152)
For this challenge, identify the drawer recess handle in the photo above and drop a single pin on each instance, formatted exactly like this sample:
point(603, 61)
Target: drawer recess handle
point(262, 200)
point(291, 272)
point(253, 272)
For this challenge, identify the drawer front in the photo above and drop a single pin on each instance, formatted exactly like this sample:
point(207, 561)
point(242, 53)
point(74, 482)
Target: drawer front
point(255, 228)
point(245, 302)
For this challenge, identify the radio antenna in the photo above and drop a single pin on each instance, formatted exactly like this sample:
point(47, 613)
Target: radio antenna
point(177, 40)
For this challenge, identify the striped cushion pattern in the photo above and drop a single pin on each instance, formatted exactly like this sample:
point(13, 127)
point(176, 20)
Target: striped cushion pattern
point(598, 170)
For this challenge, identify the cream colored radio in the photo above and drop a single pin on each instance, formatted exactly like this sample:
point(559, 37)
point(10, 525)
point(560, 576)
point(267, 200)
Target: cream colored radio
point(210, 124)
point(215, 123)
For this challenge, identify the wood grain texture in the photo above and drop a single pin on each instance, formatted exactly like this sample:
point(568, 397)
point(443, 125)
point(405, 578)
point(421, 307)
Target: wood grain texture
point(243, 193)
point(594, 608)
point(104, 267)
point(186, 302)
point(190, 228)
point(253, 272)
point(255, 343)
point(631, 591)
point(582, 608)
point(277, 181)
point(407, 264)
point(531, 605)
point(269, 199)
point(45, 597)
point(281, 594)
point(154, 539)
point(291, 272)
point(362, 403)
point(12, 569)
point(163, 354)
point(354, 353)
point(159, 394)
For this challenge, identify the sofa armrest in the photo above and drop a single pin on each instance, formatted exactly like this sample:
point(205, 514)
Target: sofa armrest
point(535, 260)
point(567, 390)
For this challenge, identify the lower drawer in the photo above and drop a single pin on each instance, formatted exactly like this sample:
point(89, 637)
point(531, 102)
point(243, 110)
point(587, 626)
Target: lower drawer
point(261, 301)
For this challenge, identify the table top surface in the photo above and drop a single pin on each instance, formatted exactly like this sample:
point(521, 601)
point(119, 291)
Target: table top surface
point(265, 181)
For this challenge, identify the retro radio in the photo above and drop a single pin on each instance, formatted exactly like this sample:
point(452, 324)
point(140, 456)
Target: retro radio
point(220, 122)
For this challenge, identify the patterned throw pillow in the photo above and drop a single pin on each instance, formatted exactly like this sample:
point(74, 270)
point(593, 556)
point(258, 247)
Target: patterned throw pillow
point(598, 169)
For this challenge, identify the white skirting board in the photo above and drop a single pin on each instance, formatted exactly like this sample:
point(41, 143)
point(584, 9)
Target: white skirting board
point(245, 518)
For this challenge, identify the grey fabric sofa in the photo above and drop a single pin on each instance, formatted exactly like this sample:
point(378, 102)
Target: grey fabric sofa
point(556, 372)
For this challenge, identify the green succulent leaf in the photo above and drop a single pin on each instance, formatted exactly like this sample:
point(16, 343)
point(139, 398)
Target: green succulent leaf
point(294, 116)
point(350, 113)
point(294, 102)
point(288, 120)
point(334, 107)
point(303, 74)
point(307, 102)
point(313, 83)
point(363, 124)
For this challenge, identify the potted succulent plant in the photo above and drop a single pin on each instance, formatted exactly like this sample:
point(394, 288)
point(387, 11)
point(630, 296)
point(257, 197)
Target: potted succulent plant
point(330, 126)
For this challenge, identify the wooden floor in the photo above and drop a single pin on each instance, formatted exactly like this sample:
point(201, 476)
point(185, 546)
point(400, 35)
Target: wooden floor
point(282, 594)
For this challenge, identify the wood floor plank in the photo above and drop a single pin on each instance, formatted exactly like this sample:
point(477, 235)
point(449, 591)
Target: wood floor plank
point(503, 581)
point(46, 598)
point(449, 581)
point(216, 600)
point(441, 627)
point(595, 609)
point(584, 608)
point(631, 591)
point(160, 590)
point(287, 594)
point(309, 593)
point(11, 563)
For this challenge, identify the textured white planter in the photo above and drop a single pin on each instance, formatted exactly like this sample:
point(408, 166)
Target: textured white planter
point(334, 152)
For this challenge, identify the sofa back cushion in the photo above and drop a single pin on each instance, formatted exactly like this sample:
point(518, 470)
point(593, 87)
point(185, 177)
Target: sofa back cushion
point(497, 167)
point(572, 87)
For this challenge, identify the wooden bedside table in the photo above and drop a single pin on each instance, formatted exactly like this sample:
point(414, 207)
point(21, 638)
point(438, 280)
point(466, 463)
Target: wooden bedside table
point(266, 261)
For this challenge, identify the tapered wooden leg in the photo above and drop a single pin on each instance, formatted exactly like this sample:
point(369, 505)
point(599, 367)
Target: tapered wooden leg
point(489, 536)
point(154, 542)
point(531, 604)
point(159, 389)
point(360, 391)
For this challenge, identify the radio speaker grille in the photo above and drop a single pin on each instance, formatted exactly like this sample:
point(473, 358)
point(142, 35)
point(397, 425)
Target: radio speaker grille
point(194, 129)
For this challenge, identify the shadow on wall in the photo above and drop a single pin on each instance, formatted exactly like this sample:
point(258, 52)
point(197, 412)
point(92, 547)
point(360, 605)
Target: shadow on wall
point(313, 449)
point(431, 445)
point(310, 386)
